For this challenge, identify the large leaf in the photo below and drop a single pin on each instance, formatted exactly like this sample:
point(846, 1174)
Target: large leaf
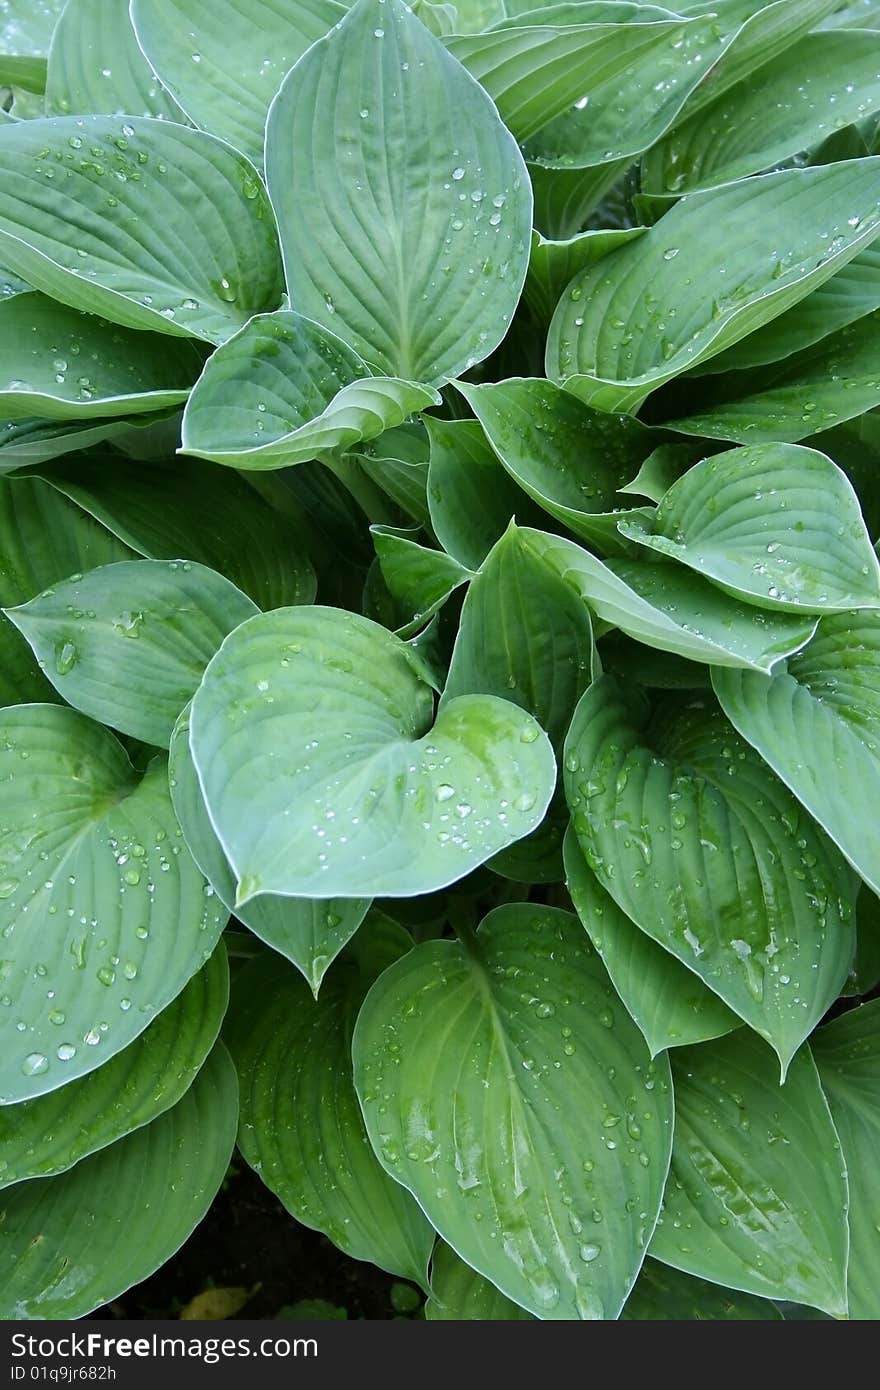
point(104, 914)
point(709, 854)
point(471, 498)
point(62, 365)
point(459, 1293)
point(310, 932)
point(72, 1242)
point(149, 223)
point(301, 1126)
point(663, 1294)
point(466, 1061)
point(570, 459)
point(668, 1003)
point(818, 85)
point(32, 441)
point(224, 63)
point(381, 803)
point(847, 1053)
point(53, 1132)
point(405, 220)
point(187, 507)
point(757, 1193)
point(614, 339)
point(127, 644)
point(817, 723)
point(776, 524)
point(43, 538)
point(284, 390)
point(95, 65)
point(524, 635)
point(813, 390)
point(665, 606)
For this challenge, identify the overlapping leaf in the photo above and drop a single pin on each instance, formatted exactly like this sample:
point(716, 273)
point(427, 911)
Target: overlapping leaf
point(95, 65)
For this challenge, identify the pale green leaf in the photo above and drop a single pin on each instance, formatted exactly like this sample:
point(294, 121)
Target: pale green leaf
point(26, 26)
point(553, 263)
point(95, 65)
point(466, 1061)
point(104, 914)
point(706, 851)
point(380, 801)
point(405, 221)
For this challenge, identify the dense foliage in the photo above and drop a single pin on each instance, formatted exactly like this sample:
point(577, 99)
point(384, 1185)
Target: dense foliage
point(438, 486)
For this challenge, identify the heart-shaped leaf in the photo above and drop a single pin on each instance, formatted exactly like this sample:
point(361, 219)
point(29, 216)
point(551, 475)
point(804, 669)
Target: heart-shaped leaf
point(665, 606)
point(412, 247)
point(524, 635)
point(459, 1293)
point(90, 35)
point(528, 1188)
point(570, 459)
point(127, 644)
point(613, 339)
point(663, 1294)
point(192, 508)
point(284, 390)
point(301, 1127)
point(818, 85)
point(817, 724)
point(173, 229)
point(702, 847)
point(62, 365)
point(104, 914)
point(776, 524)
point(75, 1241)
point(379, 802)
point(225, 64)
point(49, 1134)
point(757, 1193)
point(833, 381)
point(310, 932)
point(668, 1003)
point(846, 1052)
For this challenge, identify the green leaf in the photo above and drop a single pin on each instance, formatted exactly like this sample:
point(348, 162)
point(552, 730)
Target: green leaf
point(847, 1052)
point(459, 1293)
point(668, 1003)
point(420, 579)
point(53, 1132)
point(102, 921)
point(284, 390)
point(554, 263)
point(818, 85)
point(71, 1243)
point(850, 294)
point(404, 230)
point(95, 65)
point(188, 507)
point(33, 441)
point(127, 644)
point(26, 26)
point(43, 538)
point(225, 64)
point(301, 1127)
point(309, 932)
point(776, 524)
point(834, 380)
point(62, 365)
point(817, 724)
point(524, 635)
point(785, 233)
point(757, 1193)
point(662, 1294)
point(856, 14)
point(570, 459)
point(471, 497)
point(400, 807)
point(865, 973)
point(398, 463)
point(666, 606)
point(173, 229)
point(23, 74)
point(710, 855)
point(466, 1106)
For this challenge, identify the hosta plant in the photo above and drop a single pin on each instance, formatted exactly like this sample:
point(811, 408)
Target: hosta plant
point(438, 494)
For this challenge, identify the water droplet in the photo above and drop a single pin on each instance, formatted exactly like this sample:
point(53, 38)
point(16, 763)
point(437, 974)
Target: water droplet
point(590, 1252)
point(35, 1063)
point(66, 657)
